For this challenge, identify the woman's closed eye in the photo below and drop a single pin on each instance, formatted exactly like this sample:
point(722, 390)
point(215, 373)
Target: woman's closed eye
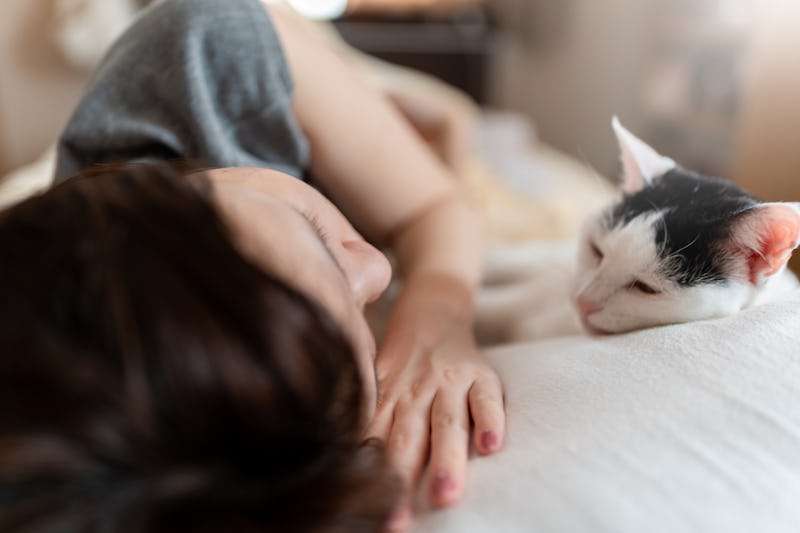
point(643, 287)
point(318, 227)
point(324, 236)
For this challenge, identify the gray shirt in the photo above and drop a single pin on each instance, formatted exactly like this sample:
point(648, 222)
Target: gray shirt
point(201, 80)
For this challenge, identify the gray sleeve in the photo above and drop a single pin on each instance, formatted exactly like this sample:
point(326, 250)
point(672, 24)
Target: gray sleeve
point(203, 80)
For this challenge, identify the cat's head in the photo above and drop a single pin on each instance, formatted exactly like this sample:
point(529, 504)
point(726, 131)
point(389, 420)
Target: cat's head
point(678, 246)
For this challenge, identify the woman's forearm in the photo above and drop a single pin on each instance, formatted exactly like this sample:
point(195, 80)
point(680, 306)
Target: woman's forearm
point(440, 255)
point(378, 171)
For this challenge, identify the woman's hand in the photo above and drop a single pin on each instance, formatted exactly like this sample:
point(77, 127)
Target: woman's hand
point(433, 382)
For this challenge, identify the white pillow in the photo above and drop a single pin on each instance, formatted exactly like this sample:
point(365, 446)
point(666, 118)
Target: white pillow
point(692, 427)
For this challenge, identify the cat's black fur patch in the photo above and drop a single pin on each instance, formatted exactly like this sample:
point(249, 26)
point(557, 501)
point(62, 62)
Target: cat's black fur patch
point(698, 212)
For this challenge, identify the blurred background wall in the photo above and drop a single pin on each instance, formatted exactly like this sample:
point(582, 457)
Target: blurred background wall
point(767, 160)
point(571, 65)
point(673, 70)
point(37, 88)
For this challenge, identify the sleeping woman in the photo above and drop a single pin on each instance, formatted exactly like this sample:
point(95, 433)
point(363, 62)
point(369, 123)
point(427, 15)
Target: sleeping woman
point(155, 380)
point(187, 351)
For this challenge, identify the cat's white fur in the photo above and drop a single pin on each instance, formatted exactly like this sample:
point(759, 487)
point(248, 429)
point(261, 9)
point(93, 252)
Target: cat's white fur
point(529, 287)
point(630, 254)
point(607, 300)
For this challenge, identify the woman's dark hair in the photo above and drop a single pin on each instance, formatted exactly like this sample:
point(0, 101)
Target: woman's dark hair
point(153, 380)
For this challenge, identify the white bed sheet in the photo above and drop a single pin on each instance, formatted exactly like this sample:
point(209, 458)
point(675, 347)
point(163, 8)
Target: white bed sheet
point(684, 428)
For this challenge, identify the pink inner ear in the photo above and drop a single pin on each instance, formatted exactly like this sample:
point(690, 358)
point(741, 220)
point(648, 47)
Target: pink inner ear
point(632, 179)
point(767, 238)
point(640, 163)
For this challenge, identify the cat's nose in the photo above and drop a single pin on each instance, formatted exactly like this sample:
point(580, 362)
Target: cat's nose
point(586, 306)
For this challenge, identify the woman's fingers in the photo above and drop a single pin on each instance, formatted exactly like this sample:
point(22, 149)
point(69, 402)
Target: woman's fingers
point(409, 439)
point(488, 414)
point(381, 421)
point(400, 520)
point(407, 445)
point(449, 447)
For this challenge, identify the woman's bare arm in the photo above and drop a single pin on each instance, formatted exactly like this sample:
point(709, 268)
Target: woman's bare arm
point(382, 176)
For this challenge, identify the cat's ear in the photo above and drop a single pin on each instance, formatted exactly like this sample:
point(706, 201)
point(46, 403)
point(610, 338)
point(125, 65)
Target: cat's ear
point(640, 163)
point(762, 240)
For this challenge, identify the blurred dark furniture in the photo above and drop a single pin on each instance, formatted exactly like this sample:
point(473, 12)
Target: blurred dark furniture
point(455, 48)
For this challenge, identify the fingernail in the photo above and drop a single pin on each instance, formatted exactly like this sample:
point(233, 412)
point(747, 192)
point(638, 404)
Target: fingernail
point(442, 484)
point(398, 520)
point(489, 440)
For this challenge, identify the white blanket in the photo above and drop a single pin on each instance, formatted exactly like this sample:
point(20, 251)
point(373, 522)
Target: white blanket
point(692, 427)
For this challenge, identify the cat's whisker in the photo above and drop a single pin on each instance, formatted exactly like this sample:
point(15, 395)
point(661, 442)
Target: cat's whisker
point(663, 244)
point(679, 250)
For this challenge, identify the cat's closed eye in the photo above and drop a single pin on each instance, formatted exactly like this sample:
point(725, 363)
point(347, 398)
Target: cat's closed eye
point(595, 251)
point(643, 287)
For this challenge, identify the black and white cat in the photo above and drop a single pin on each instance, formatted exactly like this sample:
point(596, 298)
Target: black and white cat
point(679, 247)
point(676, 247)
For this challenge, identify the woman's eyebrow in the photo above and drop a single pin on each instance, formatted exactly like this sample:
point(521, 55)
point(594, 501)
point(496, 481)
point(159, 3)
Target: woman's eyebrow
point(313, 228)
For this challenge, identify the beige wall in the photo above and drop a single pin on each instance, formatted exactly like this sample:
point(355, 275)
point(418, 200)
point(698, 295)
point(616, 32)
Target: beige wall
point(3, 163)
point(768, 152)
point(37, 89)
point(573, 82)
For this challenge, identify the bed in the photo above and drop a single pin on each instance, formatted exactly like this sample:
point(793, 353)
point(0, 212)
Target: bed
point(682, 428)
point(691, 427)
